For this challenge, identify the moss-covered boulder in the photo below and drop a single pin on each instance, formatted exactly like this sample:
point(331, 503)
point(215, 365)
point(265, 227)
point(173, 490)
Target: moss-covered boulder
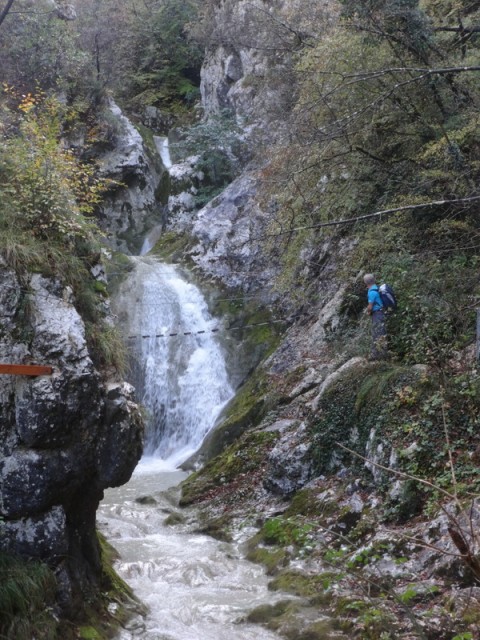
point(240, 463)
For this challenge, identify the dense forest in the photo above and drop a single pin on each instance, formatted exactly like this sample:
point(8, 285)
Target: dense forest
point(364, 137)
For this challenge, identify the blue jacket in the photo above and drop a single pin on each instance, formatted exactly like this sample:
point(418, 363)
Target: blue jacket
point(374, 298)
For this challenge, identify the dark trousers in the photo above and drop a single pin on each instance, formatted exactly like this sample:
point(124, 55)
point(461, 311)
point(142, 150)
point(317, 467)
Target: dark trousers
point(379, 336)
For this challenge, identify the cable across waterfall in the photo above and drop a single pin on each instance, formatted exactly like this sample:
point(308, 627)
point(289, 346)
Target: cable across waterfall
point(181, 381)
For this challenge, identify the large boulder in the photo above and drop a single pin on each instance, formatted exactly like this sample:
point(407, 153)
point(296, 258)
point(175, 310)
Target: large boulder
point(226, 230)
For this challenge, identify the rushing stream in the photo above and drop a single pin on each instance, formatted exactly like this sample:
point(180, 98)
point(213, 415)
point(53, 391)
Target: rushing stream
point(196, 588)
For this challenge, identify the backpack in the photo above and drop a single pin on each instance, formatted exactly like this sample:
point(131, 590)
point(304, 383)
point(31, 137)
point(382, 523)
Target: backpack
point(388, 297)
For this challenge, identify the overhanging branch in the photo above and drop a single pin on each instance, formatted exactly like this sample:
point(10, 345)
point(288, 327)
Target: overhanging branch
point(5, 11)
point(379, 214)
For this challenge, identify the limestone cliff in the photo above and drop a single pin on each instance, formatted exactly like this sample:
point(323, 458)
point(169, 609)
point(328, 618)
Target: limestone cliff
point(64, 438)
point(132, 206)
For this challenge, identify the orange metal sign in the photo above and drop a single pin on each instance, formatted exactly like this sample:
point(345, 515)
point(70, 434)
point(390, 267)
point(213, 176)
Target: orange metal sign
point(26, 369)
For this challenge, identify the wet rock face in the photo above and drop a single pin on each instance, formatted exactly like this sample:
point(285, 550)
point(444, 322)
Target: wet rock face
point(239, 76)
point(131, 208)
point(63, 438)
point(249, 75)
point(226, 230)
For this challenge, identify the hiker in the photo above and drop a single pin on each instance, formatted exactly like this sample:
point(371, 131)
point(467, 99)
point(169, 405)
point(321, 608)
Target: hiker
point(376, 310)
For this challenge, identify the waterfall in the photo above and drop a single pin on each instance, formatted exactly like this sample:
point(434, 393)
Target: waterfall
point(180, 379)
point(163, 147)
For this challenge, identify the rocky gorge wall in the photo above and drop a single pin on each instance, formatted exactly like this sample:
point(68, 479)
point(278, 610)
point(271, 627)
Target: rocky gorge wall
point(133, 206)
point(348, 533)
point(64, 438)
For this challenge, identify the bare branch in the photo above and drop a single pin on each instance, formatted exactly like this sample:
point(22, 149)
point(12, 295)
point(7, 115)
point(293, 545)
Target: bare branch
point(459, 29)
point(377, 214)
point(400, 474)
point(5, 11)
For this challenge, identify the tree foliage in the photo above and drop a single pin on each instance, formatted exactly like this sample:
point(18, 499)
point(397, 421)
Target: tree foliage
point(387, 117)
point(37, 49)
point(47, 198)
point(164, 64)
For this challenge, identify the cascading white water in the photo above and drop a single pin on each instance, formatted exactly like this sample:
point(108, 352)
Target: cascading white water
point(163, 147)
point(196, 588)
point(181, 379)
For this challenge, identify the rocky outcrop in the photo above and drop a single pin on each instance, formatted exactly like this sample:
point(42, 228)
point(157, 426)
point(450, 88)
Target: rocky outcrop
point(289, 463)
point(249, 75)
point(64, 438)
point(133, 205)
point(227, 231)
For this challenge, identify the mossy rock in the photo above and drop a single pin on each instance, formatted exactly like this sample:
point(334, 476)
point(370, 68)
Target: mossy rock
point(173, 519)
point(217, 528)
point(364, 528)
point(273, 560)
point(244, 456)
point(147, 137)
point(320, 630)
point(312, 586)
point(306, 503)
point(246, 410)
point(265, 613)
point(171, 246)
point(146, 500)
point(356, 403)
point(117, 590)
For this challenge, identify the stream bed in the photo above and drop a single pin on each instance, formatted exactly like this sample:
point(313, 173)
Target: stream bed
point(196, 587)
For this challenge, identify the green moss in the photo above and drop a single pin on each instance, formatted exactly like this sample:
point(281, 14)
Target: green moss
point(217, 528)
point(305, 503)
point(243, 412)
point(147, 137)
point(171, 245)
point(112, 580)
point(89, 633)
point(285, 531)
point(348, 605)
point(301, 584)
point(356, 403)
point(115, 590)
point(272, 559)
point(244, 456)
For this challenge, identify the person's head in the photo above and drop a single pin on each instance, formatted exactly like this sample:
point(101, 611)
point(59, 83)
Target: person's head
point(369, 279)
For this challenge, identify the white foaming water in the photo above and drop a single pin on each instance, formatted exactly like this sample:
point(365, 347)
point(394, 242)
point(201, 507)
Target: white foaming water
point(163, 148)
point(180, 379)
point(196, 588)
